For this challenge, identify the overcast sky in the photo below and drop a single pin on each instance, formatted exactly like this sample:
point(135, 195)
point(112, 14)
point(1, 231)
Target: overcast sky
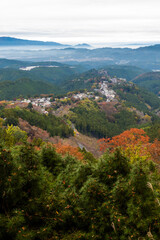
point(74, 21)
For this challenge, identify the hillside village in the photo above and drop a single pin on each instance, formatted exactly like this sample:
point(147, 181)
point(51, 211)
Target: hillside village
point(102, 92)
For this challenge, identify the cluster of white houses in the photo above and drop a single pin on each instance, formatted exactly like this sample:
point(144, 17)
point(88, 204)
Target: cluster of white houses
point(41, 104)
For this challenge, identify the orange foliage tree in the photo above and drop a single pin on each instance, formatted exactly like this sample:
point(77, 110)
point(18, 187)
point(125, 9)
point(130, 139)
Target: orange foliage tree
point(67, 149)
point(134, 143)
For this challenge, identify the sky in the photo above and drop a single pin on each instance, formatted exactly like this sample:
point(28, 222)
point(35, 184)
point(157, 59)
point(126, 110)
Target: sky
point(79, 21)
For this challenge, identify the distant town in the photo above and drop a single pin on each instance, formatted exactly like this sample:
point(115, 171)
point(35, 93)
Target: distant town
point(101, 92)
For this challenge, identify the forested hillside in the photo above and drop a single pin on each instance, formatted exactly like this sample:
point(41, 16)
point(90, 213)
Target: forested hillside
point(46, 195)
point(55, 74)
point(26, 88)
point(89, 119)
point(150, 81)
point(137, 97)
point(124, 71)
point(53, 125)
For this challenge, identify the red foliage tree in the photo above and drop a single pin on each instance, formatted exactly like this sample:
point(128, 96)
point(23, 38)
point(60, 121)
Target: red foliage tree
point(130, 137)
point(134, 143)
point(67, 149)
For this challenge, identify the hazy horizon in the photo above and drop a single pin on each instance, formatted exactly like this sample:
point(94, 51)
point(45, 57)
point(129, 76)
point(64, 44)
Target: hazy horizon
point(85, 21)
point(92, 44)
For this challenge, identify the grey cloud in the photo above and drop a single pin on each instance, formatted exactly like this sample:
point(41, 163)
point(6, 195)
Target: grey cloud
point(64, 20)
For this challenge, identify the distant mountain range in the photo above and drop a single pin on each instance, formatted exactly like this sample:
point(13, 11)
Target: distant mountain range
point(143, 57)
point(83, 45)
point(9, 41)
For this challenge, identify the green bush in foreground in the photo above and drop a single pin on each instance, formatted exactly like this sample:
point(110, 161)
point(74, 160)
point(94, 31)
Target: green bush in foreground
point(46, 196)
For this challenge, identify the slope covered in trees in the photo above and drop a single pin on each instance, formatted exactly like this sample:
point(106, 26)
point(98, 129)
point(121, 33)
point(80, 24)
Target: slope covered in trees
point(25, 87)
point(53, 125)
point(150, 81)
point(124, 71)
point(132, 108)
point(90, 119)
point(45, 195)
point(153, 131)
point(131, 94)
point(55, 74)
point(137, 97)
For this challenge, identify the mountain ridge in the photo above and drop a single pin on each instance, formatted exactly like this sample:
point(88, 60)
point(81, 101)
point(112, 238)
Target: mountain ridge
point(11, 41)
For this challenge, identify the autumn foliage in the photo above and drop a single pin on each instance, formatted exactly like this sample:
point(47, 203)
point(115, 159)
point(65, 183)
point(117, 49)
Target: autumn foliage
point(67, 149)
point(47, 196)
point(134, 143)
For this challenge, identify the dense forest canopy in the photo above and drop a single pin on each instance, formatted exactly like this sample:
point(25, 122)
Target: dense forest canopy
point(53, 125)
point(150, 81)
point(45, 195)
